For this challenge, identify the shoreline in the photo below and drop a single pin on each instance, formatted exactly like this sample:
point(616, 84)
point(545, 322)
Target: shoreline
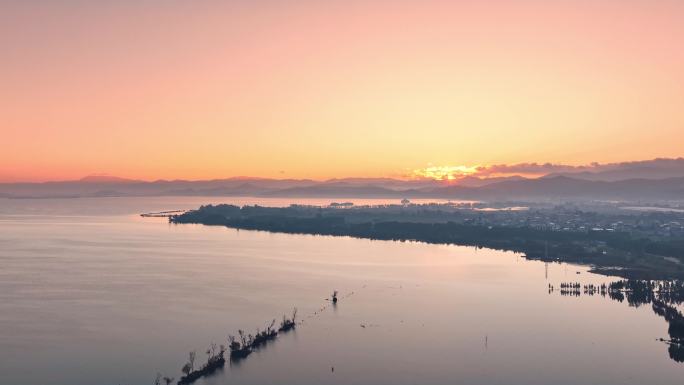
point(608, 253)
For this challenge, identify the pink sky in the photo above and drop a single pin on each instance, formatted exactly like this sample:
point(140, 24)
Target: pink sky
point(311, 89)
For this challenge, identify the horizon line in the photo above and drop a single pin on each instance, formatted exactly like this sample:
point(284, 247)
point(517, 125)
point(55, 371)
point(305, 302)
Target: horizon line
point(446, 174)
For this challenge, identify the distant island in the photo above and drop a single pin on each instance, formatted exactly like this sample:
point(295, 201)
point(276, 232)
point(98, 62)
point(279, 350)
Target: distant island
point(628, 243)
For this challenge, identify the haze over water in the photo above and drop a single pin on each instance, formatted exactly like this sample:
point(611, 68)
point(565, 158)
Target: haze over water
point(90, 293)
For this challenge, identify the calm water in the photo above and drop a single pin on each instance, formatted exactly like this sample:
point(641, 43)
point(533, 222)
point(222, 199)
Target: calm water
point(90, 293)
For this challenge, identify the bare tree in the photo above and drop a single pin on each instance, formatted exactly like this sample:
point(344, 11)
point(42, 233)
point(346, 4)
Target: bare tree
point(243, 338)
point(191, 360)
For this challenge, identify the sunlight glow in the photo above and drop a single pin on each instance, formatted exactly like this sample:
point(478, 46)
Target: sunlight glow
point(445, 172)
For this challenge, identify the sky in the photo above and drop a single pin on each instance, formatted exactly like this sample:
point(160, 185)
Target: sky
point(326, 89)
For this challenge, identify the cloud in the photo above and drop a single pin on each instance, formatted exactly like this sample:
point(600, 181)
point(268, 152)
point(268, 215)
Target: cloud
point(444, 172)
point(528, 169)
point(664, 166)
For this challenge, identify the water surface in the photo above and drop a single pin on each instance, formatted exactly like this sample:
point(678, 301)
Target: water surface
point(90, 293)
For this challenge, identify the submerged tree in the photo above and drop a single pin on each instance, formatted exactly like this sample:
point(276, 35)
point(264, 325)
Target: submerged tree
point(187, 369)
point(191, 360)
point(288, 324)
point(243, 337)
point(239, 348)
point(664, 296)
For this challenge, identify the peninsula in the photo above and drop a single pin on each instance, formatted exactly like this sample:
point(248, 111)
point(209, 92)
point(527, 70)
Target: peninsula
point(623, 242)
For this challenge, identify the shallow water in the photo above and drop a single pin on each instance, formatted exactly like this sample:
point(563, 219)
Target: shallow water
point(91, 293)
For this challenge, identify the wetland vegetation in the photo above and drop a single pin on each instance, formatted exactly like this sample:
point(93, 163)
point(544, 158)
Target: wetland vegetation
point(663, 296)
point(240, 347)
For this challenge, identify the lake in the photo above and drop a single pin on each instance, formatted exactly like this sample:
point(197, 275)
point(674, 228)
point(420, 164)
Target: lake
point(91, 293)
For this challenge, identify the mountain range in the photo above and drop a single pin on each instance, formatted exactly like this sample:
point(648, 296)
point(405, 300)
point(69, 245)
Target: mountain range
point(659, 179)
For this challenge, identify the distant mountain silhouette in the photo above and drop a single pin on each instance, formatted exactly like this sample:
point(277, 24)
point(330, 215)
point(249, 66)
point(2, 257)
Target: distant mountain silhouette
point(582, 185)
point(473, 181)
point(105, 179)
point(340, 190)
point(650, 169)
point(122, 187)
point(570, 188)
point(389, 183)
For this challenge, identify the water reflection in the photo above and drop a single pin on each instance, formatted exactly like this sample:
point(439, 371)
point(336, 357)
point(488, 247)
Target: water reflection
point(97, 295)
point(663, 296)
point(240, 348)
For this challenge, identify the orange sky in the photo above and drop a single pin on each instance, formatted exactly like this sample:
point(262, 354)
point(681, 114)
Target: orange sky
point(320, 89)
